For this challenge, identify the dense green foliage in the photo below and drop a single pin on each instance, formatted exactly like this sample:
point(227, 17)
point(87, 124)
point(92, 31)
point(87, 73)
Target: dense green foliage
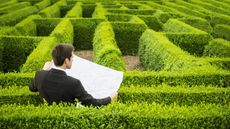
point(105, 48)
point(181, 80)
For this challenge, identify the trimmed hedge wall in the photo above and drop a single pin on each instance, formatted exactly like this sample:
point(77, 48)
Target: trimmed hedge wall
point(75, 12)
point(116, 115)
point(187, 37)
point(156, 52)
point(99, 11)
point(152, 21)
point(84, 29)
point(133, 11)
point(14, 7)
point(223, 63)
point(63, 32)
point(222, 31)
point(88, 10)
point(119, 17)
point(43, 4)
point(46, 26)
point(185, 10)
point(28, 26)
point(14, 17)
point(218, 48)
point(218, 78)
point(127, 36)
point(9, 30)
point(16, 50)
point(164, 16)
point(52, 11)
point(219, 19)
point(205, 77)
point(105, 48)
point(5, 3)
point(40, 55)
point(210, 7)
point(182, 95)
point(198, 23)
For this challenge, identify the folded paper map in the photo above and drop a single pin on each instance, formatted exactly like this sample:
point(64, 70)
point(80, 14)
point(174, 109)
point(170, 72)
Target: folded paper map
point(98, 80)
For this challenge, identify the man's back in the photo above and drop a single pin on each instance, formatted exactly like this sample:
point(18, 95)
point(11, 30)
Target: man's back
point(55, 86)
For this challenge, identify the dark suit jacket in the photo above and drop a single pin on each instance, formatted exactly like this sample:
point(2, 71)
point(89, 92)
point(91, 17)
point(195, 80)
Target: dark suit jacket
point(56, 86)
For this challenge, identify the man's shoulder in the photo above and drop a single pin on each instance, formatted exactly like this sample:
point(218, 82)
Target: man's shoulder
point(73, 79)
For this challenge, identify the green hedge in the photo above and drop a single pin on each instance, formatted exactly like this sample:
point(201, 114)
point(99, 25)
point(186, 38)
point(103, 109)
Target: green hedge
point(218, 48)
point(223, 63)
point(152, 21)
point(14, 17)
point(198, 23)
point(40, 55)
point(88, 10)
point(14, 7)
point(193, 77)
point(132, 12)
point(218, 4)
point(9, 30)
point(118, 17)
point(63, 32)
point(46, 26)
point(5, 3)
point(105, 48)
point(164, 16)
point(84, 29)
point(210, 7)
point(75, 12)
point(185, 10)
point(116, 115)
point(148, 78)
point(164, 8)
point(219, 19)
point(127, 36)
point(156, 52)
point(99, 11)
point(28, 26)
point(182, 95)
point(52, 11)
point(15, 51)
point(19, 95)
point(43, 4)
point(187, 37)
point(222, 31)
point(15, 79)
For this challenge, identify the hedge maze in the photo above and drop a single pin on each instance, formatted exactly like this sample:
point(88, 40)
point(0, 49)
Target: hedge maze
point(184, 46)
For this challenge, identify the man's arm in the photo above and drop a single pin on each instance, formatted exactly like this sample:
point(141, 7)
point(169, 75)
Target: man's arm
point(33, 86)
point(88, 99)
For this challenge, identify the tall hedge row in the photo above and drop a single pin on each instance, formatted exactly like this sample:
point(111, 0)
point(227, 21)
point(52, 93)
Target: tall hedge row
point(158, 53)
point(52, 11)
point(116, 115)
point(106, 51)
point(218, 48)
point(43, 4)
point(15, 51)
point(127, 36)
point(27, 26)
point(14, 7)
point(75, 12)
point(222, 31)
point(13, 18)
point(63, 32)
point(40, 55)
point(187, 37)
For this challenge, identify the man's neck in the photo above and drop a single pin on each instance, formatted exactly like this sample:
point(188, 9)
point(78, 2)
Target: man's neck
point(62, 68)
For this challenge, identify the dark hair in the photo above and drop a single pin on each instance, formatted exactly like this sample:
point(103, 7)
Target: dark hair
point(61, 52)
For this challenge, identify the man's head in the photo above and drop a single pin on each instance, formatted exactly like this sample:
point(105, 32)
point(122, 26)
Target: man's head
point(62, 55)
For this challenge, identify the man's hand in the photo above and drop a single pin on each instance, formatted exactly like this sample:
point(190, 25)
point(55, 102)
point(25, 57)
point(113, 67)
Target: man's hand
point(113, 96)
point(47, 65)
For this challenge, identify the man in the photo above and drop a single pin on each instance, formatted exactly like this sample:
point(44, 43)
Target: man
point(55, 85)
